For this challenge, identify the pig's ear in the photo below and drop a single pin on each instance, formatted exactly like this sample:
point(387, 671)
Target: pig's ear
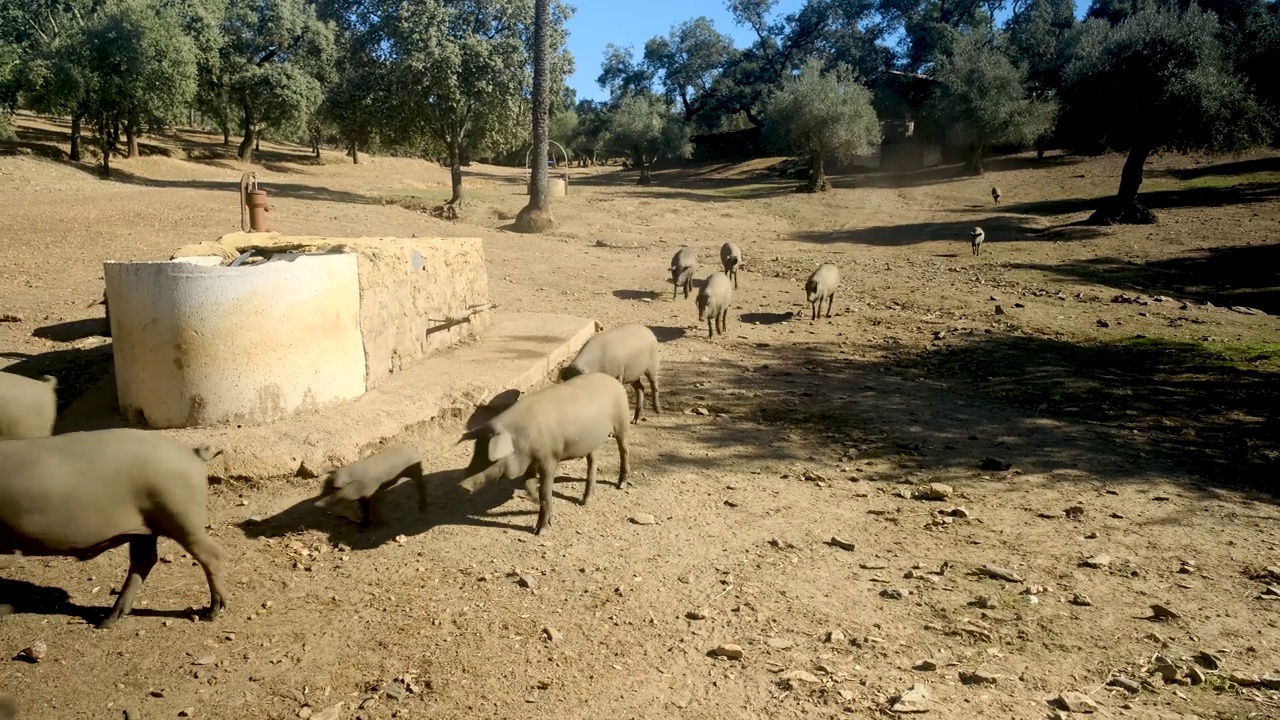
point(500, 446)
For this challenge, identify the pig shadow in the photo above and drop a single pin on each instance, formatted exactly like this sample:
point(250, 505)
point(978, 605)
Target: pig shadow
point(73, 330)
point(26, 597)
point(637, 294)
point(396, 513)
point(667, 334)
point(765, 318)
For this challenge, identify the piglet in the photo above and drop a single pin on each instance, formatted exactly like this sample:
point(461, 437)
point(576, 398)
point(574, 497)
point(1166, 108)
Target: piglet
point(363, 479)
point(731, 259)
point(820, 286)
point(683, 264)
point(626, 353)
point(714, 298)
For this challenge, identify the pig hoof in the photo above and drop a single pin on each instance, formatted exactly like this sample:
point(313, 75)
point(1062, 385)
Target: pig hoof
point(107, 622)
point(212, 612)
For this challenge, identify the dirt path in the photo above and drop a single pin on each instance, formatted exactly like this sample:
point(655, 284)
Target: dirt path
point(1128, 434)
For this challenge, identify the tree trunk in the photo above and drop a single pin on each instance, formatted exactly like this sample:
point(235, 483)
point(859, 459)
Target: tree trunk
point(131, 138)
point(645, 177)
point(246, 145)
point(1124, 207)
point(354, 153)
point(257, 141)
point(191, 116)
point(104, 131)
point(455, 170)
point(973, 163)
point(226, 133)
point(817, 174)
point(536, 216)
point(75, 137)
point(315, 146)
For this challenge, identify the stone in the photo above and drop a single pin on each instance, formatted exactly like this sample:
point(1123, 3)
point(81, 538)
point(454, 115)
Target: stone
point(925, 666)
point(915, 700)
point(34, 652)
point(1208, 660)
point(187, 712)
point(1097, 561)
point(527, 581)
point(1160, 612)
point(1270, 682)
point(205, 660)
point(778, 643)
point(932, 491)
point(801, 676)
point(978, 677)
point(395, 691)
point(644, 519)
point(999, 573)
point(1167, 669)
point(1077, 702)
point(874, 564)
point(992, 464)
point(986, 602)
point(957, 512)
point(842, 544)
point(696, 615)
point(1075, 512)
point(304, 712)
point(837, 637)
point(332, 713)
point(728, 651)
point(552, 635)
point(1081, 600)
point(1195, 675)
point(894, 593)
point(1124, 683)
point(1243, 679)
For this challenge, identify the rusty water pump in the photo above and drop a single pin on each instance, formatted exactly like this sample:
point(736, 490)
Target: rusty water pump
point(253, 204)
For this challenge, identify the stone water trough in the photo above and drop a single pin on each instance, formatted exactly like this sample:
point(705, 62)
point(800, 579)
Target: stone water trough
point(313, 350)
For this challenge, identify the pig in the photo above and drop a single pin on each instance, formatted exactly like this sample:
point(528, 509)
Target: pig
point(562, 422)
point(682, 266)
point(714, 298)
point(731, 258)
point(820, 286)
point(28, 408)
point(81, 494)
point(975, 240)
point(363, 479)
point(627, 353)
point(995, 194)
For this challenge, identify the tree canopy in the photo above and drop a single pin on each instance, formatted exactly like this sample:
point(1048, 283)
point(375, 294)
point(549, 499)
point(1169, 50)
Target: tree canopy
point(644, 128)
point(815, 115)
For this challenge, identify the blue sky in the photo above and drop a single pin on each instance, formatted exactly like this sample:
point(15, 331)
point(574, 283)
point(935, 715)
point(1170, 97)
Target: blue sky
point(600, 22)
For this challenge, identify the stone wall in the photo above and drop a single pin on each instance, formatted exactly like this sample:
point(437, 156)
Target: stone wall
point(413, 291)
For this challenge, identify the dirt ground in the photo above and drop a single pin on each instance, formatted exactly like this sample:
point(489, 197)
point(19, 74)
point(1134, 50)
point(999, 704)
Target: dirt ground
point(1136, 412)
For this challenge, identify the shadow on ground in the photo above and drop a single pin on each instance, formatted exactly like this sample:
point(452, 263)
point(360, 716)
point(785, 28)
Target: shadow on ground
point(77, 369)
point(1123, 411)
point(998, 228)
point(1247, 275)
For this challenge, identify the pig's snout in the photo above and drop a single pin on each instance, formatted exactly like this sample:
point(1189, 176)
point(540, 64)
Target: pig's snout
point(474, 483)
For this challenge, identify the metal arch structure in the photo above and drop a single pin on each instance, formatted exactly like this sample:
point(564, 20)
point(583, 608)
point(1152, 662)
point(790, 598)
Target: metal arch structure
point(564, 174)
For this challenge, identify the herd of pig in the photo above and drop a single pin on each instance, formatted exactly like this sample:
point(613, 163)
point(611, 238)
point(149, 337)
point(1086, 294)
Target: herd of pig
point(80, 494)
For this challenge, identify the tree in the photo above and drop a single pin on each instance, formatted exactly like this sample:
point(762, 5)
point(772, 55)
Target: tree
point(644, 128)
point(981, 98)
point(1038, 41)
point(814, 115)
point(622, 75)
point(1159, 80)
point(536, 216)
point(688, 61)
point(590, 130)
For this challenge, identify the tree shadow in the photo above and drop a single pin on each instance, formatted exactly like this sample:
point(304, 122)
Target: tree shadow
point(766, 318)
point(1228, 276)
point(1237, 167)
point(396, 512)
point(998, 228)
point(1120, 412)
point(1238, 194)
point(637, 294)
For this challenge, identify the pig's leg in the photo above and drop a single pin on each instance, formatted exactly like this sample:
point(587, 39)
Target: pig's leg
point(547, 471)
point(653, 390)
point(830, 301)
point(624, 468)
point(142, 557)
point(591, 477)
point(711, 327)
point(209, 556)
point(415, 473)
point(639, 400)
point(366, 513)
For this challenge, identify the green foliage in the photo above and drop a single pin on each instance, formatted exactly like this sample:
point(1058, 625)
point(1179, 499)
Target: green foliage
point(563, 126)
point(644, 128)
point(1160, 80)
point(1039, 41)
point(826, 114)
point(688, 61)
point(622, 75)
point(981, 98)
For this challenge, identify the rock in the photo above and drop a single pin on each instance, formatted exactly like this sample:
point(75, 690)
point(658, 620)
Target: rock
point(978, 677)
point(1186, 568)
point(1209, 660)
point(644, 519)
point(304, 712)
point(999, 573)
point(332, 713)
point(842, 544)
point(1271, 591)
point(925, 666)
point(1195, 675)
point(1246, 310)
point(992, 464)
point(552, 635)
point(1270, 682)
point(1075, 512)
point(1077, 702)
point(811, 476)
point(728, 651)
point(874, 564)
point(914, 700)
point(527, 581)
point(696, 615)
point(778, 643)
point(1124, 683)
point(999, 310)
point(1034, 590)
point(1097, 561)
point(1243, 679)
point(986, 602)
point(957, 512)
point(894, 593)
point(34, 652)
point(187, 712)
point(395, 691)
point(1103, 324)
point(932, 491)
point(1167, 668)
point(205, 660)
point(1081, 600)
point(837, 637)
point(801, 676)
point(1160, 612)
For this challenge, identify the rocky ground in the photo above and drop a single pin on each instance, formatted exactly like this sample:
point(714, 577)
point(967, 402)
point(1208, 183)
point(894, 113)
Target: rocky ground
point(1035, 482)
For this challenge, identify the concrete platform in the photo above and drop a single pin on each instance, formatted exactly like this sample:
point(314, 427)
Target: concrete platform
point(519, 350)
